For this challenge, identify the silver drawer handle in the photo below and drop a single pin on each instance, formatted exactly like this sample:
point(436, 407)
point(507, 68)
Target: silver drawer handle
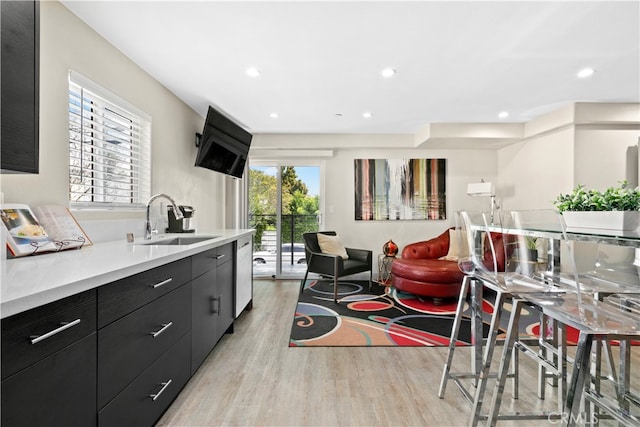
point(35, 339)
point(164, 328)
point(213, 310)
point(220, 256)
point(157, 395)
point(164, 282)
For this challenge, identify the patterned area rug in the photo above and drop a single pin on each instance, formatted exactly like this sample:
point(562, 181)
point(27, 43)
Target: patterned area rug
point(384, 317)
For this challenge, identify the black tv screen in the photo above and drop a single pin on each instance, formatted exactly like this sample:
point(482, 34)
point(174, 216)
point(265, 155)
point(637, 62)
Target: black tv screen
point(224, 145)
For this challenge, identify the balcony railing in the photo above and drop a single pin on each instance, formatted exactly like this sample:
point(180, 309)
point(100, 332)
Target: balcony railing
point(292, 228)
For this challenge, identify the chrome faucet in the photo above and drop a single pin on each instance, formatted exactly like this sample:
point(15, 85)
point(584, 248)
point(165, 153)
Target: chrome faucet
point(176, 212)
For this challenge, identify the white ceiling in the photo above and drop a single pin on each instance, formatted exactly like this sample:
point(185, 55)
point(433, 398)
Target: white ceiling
point(456, 61)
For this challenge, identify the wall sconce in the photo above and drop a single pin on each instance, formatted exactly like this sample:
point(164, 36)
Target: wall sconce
point(484, 189)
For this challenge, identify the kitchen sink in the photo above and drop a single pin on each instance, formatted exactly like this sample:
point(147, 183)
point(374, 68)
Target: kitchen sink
point(178, 241)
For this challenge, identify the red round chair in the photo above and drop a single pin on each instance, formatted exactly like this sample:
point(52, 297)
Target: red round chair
point(429, 268)
point(420, 270)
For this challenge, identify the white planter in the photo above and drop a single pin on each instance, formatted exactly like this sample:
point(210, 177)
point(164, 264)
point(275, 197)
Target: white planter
point(605, 220)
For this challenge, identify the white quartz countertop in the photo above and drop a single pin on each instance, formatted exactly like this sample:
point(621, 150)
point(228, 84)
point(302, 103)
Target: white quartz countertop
point(32, 281)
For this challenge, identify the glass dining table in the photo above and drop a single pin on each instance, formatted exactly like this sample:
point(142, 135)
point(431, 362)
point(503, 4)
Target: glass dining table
point(600, 310)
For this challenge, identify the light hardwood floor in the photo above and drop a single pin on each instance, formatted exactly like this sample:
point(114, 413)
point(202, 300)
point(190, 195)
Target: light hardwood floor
point(252, 378)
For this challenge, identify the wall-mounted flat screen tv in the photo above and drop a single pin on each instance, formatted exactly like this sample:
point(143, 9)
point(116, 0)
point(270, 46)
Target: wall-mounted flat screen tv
point(223, 145)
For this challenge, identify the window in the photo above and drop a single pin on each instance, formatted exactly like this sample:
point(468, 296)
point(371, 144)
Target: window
point(109, 148)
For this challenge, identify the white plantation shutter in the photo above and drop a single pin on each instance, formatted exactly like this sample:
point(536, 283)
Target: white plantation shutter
point(109, 148)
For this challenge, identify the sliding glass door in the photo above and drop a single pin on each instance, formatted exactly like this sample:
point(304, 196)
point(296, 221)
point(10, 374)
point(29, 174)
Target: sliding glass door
point(284, 203)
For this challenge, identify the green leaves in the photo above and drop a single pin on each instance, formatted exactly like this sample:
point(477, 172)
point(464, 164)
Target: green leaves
point(620, 198)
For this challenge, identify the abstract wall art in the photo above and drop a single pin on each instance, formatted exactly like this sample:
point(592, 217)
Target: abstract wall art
point(400, 189)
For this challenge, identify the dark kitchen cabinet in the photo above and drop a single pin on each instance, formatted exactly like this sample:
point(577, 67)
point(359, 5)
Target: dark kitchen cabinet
point(49, 364)
point(19, 86)
point(204, 316)
point(146, 398)
point(212, 301)
point(60, 390)
point(141, 320)
point(140, 337)
point(119, 354)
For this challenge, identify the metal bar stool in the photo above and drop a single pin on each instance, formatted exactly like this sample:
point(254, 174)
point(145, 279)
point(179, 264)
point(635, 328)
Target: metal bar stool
point(614, 278)
point(595, 320)
point(557, 365)
point(474, 268)
point(474, 286)
point(487, 265)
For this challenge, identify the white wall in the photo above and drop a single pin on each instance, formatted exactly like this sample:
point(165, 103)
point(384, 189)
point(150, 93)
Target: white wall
point(67, 43)
point(532, 173)
point(601, 154)
point(463, 166)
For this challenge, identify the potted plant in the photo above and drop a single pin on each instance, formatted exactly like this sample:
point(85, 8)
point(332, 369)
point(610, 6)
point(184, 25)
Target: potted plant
point(616, 208)
point(532, 248)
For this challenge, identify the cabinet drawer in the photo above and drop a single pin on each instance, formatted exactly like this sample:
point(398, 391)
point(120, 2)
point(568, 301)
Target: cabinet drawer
point(124, 296)
point(203, 262)
point(128, 346)
point(35, 334)
point(163, 380)
point(208, 260)
point(225, 253)
point(59, 390)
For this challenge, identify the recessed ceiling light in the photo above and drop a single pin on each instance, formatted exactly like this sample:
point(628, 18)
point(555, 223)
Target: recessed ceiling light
point(585, 72)
point(273, 115)
point(367, 115)
point(388, 73)
point(253, 72)
point(503, 114)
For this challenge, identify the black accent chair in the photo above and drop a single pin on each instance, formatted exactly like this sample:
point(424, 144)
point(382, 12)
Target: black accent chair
point(334, 266)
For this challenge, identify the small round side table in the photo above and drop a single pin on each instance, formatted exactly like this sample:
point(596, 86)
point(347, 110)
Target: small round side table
point(384, 269)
